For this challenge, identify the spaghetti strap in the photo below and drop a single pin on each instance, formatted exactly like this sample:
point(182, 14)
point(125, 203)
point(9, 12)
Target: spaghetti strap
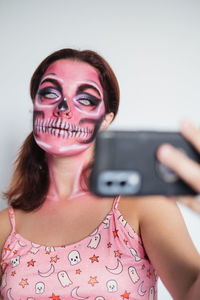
point(116, 202)
point(12, 217)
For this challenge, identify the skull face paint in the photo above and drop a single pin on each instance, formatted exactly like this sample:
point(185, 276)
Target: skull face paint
point(68, 108)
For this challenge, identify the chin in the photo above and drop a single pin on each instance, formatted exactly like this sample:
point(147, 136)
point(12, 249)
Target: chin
point(61, 149)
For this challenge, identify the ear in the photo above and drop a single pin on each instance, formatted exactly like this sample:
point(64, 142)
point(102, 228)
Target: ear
point(107, 120)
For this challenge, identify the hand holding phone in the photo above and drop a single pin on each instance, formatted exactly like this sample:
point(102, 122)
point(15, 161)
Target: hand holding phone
point(186, 168)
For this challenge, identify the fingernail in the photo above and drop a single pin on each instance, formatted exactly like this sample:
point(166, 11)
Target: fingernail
point(164, 151)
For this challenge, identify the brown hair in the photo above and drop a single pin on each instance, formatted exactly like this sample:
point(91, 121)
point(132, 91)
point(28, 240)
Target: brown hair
point(30, 181)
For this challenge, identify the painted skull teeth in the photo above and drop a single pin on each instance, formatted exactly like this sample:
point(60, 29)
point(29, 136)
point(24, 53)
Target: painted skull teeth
point(61, 128)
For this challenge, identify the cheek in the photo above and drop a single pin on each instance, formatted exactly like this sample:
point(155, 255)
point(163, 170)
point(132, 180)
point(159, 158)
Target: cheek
point(46, 109)
point(93, 114)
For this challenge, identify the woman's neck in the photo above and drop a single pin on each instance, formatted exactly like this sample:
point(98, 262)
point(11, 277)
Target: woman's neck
point(65, 175)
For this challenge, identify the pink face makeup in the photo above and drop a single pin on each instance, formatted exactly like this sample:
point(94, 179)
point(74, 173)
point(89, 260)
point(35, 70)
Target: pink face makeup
point(68, 108)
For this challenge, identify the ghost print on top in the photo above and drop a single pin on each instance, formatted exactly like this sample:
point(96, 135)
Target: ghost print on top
point(110, 263)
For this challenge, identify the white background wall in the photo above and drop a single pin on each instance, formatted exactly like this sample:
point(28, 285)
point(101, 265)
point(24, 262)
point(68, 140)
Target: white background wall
point(153, 47)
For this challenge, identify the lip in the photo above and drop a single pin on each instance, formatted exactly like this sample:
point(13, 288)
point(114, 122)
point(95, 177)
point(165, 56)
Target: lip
point(61, 128)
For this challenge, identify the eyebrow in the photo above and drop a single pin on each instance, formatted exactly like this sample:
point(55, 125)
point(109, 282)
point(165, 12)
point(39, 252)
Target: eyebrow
point(50, 75)
point(87, 86)
point(55, 82)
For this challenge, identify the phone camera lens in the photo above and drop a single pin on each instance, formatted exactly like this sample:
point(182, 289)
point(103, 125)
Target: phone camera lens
point(109, 183)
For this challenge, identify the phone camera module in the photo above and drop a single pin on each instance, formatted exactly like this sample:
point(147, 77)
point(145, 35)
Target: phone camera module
point(119, 182)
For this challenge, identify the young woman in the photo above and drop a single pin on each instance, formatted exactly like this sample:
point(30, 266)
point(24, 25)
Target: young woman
point(57, 240)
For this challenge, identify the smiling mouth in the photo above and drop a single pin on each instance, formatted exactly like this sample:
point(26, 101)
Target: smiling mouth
point(61, 128)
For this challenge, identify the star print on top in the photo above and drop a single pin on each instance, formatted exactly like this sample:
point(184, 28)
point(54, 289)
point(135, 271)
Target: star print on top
point(111, 263)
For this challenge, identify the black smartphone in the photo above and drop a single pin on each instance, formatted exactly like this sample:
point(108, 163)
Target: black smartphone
point(125, 163)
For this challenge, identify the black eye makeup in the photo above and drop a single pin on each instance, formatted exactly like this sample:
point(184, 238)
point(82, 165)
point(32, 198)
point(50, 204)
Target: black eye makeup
point(49, 94)
point(86, 99)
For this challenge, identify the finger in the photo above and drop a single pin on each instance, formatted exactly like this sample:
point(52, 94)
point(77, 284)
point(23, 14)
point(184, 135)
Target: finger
point(184, 166)
point(191, 133)
point(191, 202)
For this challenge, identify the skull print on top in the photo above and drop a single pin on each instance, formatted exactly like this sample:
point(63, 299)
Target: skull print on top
point(111, 263)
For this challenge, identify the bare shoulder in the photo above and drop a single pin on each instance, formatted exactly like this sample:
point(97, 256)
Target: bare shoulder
point(5, 227)
point(148, 211)
point(148, 206)
point(155, 209)
point(4, 221)
point(161, 222)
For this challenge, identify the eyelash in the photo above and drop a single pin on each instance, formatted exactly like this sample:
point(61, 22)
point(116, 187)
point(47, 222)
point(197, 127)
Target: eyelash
point(46, 91)
point(82, 102)
point(81, 98)
point(86, 97)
